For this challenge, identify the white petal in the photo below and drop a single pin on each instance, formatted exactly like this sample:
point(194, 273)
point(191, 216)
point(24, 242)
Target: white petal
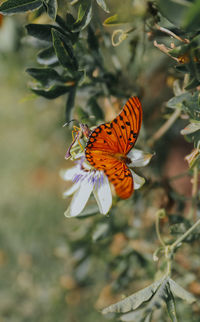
point(139, 158)
point(103, 196)
point(71, 190)
point(69, 174)
point(79, 199)
point(137, 180)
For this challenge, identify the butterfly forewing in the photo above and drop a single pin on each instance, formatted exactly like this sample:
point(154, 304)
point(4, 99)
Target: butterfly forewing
point(127, 124)
point(112, 140)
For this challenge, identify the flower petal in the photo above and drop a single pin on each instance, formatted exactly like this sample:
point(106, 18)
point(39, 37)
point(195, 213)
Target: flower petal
point(79, 199)
point(137, 180)
point(139, 158)
point(103, 196)
point(71, 190)
point(69, 174)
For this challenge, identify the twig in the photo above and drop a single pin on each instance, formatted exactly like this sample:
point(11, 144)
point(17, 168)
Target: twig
point(165, 127)
point(195, 191)
point(164, 49)
point(180, 239)
point(172, 34)
point(160, 214)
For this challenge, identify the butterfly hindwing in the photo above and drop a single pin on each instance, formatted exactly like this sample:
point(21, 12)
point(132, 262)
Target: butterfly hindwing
point(117, 172)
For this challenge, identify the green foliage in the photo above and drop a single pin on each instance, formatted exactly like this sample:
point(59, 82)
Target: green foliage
point(17, 6)
point(141, 305)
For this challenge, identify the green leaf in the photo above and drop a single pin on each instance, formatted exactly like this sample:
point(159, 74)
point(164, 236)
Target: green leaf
point(84, 16)
point(191, 20)
point(64, 51)
point(133, 301)
point(47, 56)
point(178, 100)
point(52, 92)
point(70, 104)
point(46, 76)
point(181, 292)
point(52, 8)
point(112, 21)
point(42, 31)
point(192, 84)
point(17, 6)
point(191, 128)
point(171, 308)
point(174, 11)
point(92, 40)
point(135, 316)
point(103, 5)
point(179, 50)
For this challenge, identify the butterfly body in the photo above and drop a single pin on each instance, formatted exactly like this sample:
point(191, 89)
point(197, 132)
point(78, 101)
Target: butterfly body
point(109, 144)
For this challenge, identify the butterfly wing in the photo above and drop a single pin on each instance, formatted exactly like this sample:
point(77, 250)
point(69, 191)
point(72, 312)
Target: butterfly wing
point(120, 135)
point(117, 172)
point(112, 139)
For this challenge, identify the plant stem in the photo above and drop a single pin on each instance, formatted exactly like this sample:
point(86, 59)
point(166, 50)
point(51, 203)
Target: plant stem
point(180, 239)
point(159, 215)
point(195, 192)
point(165, 127)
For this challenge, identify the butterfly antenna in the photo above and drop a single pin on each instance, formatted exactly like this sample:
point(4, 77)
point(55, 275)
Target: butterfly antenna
point(67, 124)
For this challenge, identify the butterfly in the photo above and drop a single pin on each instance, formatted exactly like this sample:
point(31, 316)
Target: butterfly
point(109, 144)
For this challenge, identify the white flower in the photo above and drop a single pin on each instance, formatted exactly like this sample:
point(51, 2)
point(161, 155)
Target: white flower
point(86, 180)
point(138, 159)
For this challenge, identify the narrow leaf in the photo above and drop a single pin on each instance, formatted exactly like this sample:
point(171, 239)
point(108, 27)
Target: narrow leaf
point(103, 5)
point(191, 128)
point(181, 292)
point(17, 6)
point(84, 16)
point(171, 309)
point(111, 21)
point(52, 8)
point(192, 84)
point(42, 31)
point(133, 316)
point(64, 51)
point(47, 56)
point(45, 76)
point(133, 301)
point(52, 92)
point(177, 101)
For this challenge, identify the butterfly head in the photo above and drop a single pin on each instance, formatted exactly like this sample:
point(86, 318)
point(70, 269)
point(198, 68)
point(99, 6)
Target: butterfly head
point(79, 134)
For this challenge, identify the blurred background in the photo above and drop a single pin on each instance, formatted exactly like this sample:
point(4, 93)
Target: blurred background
point(53, 268)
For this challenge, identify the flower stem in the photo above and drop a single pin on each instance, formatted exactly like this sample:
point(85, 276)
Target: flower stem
point(165, 127)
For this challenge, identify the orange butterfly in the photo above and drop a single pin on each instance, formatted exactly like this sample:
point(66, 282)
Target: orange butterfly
point(109, 144)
